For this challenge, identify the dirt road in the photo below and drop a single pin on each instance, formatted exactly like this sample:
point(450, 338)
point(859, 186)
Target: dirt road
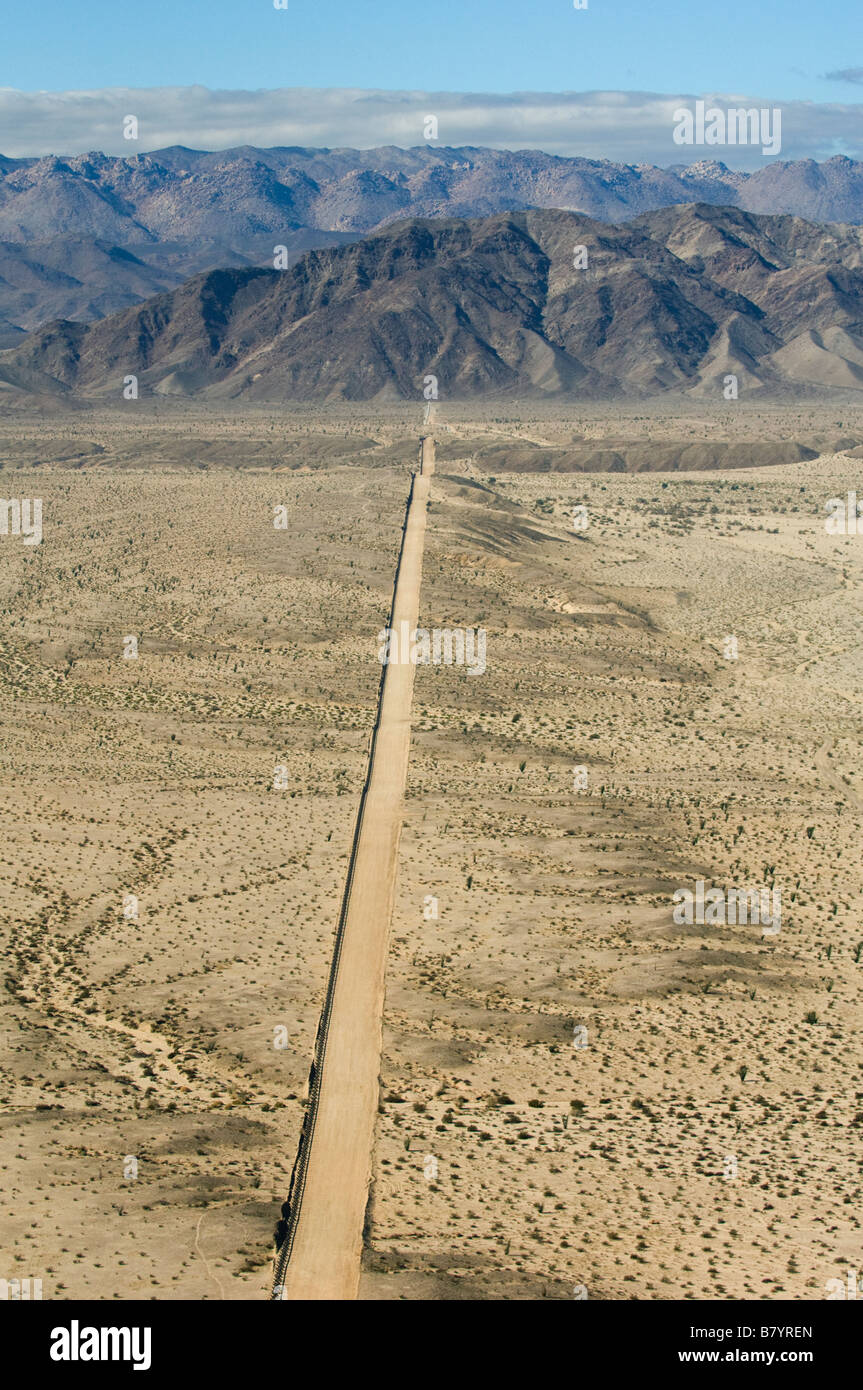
point(331, 1185)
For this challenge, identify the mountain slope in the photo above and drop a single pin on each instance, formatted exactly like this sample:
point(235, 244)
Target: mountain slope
point(180, 211)
point(675, 300)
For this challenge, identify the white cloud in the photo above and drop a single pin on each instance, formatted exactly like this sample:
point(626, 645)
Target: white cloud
point(632, 127)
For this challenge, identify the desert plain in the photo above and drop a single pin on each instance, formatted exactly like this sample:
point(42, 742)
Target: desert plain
point(580, 1098)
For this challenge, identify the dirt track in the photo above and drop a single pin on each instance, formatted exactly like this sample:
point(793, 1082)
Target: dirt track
point(327, 1237)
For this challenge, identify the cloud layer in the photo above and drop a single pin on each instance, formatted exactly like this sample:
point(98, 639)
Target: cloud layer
point(632, 127)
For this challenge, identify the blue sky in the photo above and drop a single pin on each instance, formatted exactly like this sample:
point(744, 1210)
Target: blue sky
point(779, 49)
point(602, 82)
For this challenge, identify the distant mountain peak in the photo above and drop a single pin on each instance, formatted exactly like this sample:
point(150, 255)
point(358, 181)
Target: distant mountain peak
point(180, 210)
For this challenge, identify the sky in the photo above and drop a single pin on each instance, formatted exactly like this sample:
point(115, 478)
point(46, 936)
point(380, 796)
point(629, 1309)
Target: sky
point(63, 64)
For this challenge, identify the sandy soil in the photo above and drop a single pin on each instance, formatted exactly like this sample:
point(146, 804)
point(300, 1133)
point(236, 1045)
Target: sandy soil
point(556, 1168)
point(157, 1039)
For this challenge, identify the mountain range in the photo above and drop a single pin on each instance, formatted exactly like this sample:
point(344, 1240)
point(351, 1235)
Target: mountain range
point(673, 300)
point(85, 236)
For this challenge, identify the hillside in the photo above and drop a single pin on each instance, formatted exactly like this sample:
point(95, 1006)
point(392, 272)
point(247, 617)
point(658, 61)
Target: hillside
point(673, 301)
point(85, 236)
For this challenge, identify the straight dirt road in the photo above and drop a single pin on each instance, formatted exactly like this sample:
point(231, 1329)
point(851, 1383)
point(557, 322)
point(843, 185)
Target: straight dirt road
point(326, 1224)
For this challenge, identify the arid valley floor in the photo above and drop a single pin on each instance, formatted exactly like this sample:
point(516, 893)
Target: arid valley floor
point(154, 1068)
